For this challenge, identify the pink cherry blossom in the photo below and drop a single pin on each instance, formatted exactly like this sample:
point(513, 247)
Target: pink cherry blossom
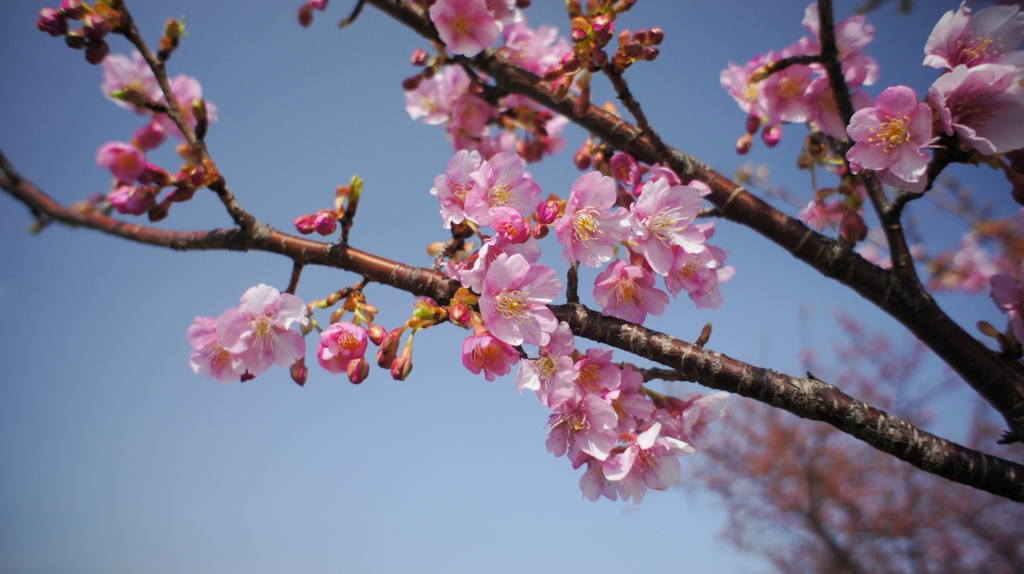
point(646, 462)
point(586, 425)
point(690, 272)
point(627, 292)
point(123, 73)
point(596, 374)
point(890, 136)
point(736, 81)
point(625, 169)
point(501, 181)
point(990, 36)
point(132, 199)
point(781, 96)
point(257, 333)
point(662, 217)
point(149, 136)
point(822, 215)
point(452, 187)
point(186, 90)
point(1008, 295)
point(341, 344)
point(588, 231)
point(471, 272)
point(465, 26)
point(594, 484)
point(631, 405)
point(984, 105)
point(535, 50)
point(821, 105)
point(210, 359)
point(433, 100)
point(514, 300)
point(125, 161)
point(688, 420)
point(509, 224)
point(553, 371)
point(852, 37)
point(486, 353)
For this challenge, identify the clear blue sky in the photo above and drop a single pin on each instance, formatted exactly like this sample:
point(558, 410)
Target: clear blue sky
point(115, 457)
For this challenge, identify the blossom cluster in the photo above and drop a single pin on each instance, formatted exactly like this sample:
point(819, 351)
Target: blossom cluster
point(444, 94)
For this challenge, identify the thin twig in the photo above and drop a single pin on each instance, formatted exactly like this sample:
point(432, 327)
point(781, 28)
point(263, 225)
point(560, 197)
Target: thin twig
point(293, 284)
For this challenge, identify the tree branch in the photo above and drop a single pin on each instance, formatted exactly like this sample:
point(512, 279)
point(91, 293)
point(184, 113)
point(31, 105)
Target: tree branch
point(999, 380)
point(807, 398)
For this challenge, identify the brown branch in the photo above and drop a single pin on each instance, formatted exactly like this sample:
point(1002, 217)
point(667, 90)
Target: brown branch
point(804, 397)
point(807, 398)
point(293, 283)
point(623, 94)
point(999, 380)
point(131, 32)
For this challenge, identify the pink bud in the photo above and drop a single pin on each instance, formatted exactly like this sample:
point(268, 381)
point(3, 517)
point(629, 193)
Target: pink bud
point(582, 158)
point(578, 35)
point(53, 22)
point(389, 348)
point(305, 224)
point(150, 136)
point(655, 36)
point(650, 54)
point(419, 57)
point(570, 62)
point(401, 367)
point(625, 169)
point(771, 136)
point(458, 314)
point(72, 9)
point(96, 51)
point(744, 144)
point(324, 223)
point(131, 200)
point(320, 5)
point(306, 15)
point(75, 39)
point(376, 333)
point(358, 370)
point(299, 371)
point(753, 123)
point(540, 231)
point(157, 175)
point(603, 27)
point(547, 211)
point(96, 26)
point(852, 228)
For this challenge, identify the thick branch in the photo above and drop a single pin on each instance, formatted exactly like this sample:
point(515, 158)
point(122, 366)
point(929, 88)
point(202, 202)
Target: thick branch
point(997, 379)
point(806, 398)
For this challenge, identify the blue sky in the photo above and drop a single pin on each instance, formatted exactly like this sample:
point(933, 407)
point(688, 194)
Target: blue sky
point(115, 457)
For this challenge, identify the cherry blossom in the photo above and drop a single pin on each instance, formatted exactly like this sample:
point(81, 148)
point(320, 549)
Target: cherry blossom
point(630, 404)
point(661, 217)
point(535, 50)
point(627, 292)
point(984, 105)
point(465, 26)
point(121, 73)
point(341, 344)
point(890, 136)
point(501, 181)
point(595, 373)
point(132, 199)
point(433, 100)
point(852, 37)
point(452, 187)
point(1008, 295)
point(210, 359)
point(646, 462)
point(588, 231)
point(553, 371)
point(514, 300)
point(595, 484)
point(257, 333)
point(125, 161)
point(585, 425)
point(990, 36)
point(484, 352)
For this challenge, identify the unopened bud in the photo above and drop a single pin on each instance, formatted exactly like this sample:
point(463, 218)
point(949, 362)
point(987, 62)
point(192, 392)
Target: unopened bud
point(577, 35)
point(96, 51)
point(540, 231)
point(771, 135)
point(358, 370)
point(650, 54)
point(96, 26)
point(306, 15)
point(603, 28)
point(582, 158)
point(570, 62)
point(75, 39)
point(753, 123)
point(547, 211)
point(299, 371)
point(655, 36)
point(744, 144)
point(376, 333)
point(573, 8)
point(53, 22)
point(160, 211)
point(458, 314)
point(419, 57)
point(852, 228)
point(632, 50)
point(72, 9)
point(411, 83)
point(401, 367)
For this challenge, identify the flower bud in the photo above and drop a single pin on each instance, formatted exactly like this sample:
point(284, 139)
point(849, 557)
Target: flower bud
point(299, 371)
point(852, 228)
point(401, 367)
point(577, 35)
point(150, 136)
point(570, 62)
point(632, 50)
point(358, 370)
point(160, 211)
point(305, 224)
point(157, 175)
point(753, 123)
point(72, 9)
point(53, 22)
point(459, 313)
point(655, 36)
point(376, 333)
point(324, 223)
point(603, 28)
point(540, 231)
point(650, 54)
point(75, 39)
point(411, 83)
point(547, 211)
point(306, 15)
point(96, 51)
point(582, 158)
point(744, 144)
point(574, 8)
point(560, 87)
point(523, 4)
point(771, 136)
point(389, 348)
point(419, 57)
point(96, 26)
